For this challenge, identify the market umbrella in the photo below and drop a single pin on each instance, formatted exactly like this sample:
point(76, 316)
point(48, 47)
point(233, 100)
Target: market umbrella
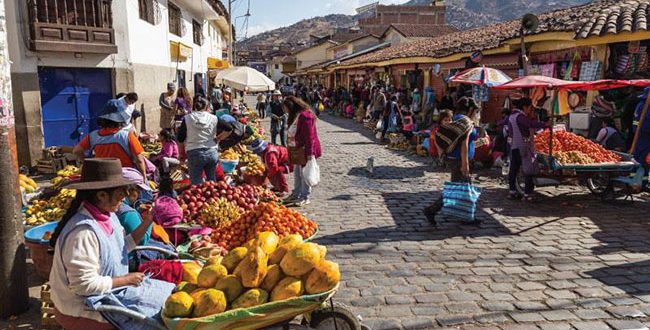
point(481, 76)
point(242, 77)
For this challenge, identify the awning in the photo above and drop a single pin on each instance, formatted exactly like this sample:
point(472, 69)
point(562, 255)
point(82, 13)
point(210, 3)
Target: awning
point(179, 51)
point(217, 63)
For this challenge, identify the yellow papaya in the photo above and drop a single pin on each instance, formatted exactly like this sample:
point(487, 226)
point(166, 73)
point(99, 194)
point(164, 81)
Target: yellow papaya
point(301, 259)
point(288, 287)
point(273, 276)
point(286, 243)
point(209, 302)
point(231, 286)
point(191, 271)
point(179, 304)
point(232, 259)
point(267, 241)
point(250, 298)
point(210, 275)
point(253, 268)
point(324, 277)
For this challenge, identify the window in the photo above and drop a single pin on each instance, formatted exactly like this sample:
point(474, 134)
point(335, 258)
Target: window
point(175, 22)
point(277, 66)
point(198, 33)
point(146, 10)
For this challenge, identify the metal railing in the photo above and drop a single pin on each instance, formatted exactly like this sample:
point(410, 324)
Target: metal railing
point(89, 13)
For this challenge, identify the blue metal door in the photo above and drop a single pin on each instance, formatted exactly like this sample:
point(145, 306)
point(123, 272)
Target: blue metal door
point(71, 98)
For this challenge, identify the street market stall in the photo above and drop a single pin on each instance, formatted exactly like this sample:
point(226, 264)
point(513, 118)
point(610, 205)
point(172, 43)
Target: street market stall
point(566, 157)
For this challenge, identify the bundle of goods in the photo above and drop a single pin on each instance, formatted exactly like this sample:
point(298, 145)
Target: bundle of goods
point(41, 211)
point(267, 269)
point(201, 247)
point(569, 148)
point(151, 148)
point(195, 198)
point(398, 142)
point(27, 183)
point(271, 217)
point(64, 175)
point(266, 195)
point(248, 158)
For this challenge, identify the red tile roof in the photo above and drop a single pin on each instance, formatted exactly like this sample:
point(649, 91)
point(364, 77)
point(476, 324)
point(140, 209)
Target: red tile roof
point(422, 30)
point(600, 17)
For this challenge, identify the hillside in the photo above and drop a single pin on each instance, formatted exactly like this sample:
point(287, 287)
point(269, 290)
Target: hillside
point(463, 14)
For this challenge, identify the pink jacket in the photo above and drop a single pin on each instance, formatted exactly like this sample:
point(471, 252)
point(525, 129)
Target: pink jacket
point(169, 150)
point(306, 134)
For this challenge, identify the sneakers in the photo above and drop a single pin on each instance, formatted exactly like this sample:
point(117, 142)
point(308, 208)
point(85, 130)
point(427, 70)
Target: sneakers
point(301, 203)
point(289, 200)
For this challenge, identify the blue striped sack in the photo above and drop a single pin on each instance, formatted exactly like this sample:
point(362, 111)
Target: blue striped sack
point(460, 199)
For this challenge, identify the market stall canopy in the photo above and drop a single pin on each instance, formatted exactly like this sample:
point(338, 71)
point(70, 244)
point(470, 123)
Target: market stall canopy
point(481, 76)
point(554, 83)
point(242, 77)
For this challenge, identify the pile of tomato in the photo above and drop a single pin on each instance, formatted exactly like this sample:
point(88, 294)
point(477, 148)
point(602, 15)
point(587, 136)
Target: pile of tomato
point(566, 142)
point(279, 219)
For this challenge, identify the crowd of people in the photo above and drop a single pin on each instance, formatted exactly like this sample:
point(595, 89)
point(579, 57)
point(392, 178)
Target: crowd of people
point(116, 210)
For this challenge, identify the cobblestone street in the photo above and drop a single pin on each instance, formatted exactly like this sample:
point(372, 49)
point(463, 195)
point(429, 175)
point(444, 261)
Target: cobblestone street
point(567, 261)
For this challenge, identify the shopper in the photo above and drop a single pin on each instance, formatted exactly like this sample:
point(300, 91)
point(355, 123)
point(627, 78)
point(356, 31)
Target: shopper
point(609, 137)
point(199, 141)
point(521, 133)
point(168, 155)
point(111, 140)
point(462, 133)
point(278, 120)
point(303, 143)
point(166, 102)
point(91, 253)
point(389, 119)
point(276, 160)
point(183, 103)
point(444, 118)
point(261, 105)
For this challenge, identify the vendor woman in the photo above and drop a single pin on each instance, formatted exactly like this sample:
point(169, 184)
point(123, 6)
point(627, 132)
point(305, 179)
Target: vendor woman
point(90, 266)
point(276, 160)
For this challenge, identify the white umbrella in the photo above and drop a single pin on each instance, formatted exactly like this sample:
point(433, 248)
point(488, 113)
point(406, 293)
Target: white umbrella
point(242, 76)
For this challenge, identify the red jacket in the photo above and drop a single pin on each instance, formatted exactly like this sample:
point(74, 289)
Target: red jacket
point(306, 134)
point(276, 160)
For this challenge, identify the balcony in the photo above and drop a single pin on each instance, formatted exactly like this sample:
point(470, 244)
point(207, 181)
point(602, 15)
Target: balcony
point(80, 26)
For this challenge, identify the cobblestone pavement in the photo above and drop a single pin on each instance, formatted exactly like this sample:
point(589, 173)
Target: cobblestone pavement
point(567, 261)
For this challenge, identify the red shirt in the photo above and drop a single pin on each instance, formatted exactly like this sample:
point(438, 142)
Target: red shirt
point(276, 160)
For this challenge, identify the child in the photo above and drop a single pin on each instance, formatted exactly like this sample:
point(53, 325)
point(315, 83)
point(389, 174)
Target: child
point(443, 118)
point(168, 156)
point(408, 123)
point(276, 159)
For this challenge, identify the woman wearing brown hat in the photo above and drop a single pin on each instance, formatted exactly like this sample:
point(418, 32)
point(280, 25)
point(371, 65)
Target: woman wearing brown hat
point(90, 266)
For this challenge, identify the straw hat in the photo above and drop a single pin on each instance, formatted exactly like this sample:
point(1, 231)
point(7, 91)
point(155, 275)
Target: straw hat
point(101, 173)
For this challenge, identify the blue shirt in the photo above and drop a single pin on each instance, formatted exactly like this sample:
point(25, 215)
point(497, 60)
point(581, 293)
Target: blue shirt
point(470, 150)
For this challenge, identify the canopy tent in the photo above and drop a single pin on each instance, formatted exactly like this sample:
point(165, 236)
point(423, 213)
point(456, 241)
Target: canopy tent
point(242, 77)
point(553, 83)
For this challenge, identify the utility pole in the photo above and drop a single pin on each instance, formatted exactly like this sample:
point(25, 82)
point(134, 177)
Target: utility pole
point(14, 296)
point(230, 42)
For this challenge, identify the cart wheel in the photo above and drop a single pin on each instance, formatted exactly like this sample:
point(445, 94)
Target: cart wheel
point(290, 326)
point(599, 183)
point(334, 317)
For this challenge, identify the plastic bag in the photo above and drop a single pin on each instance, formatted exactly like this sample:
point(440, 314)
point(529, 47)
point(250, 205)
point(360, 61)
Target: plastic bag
point(380, 124)
point(460, 200)
point(311, 173)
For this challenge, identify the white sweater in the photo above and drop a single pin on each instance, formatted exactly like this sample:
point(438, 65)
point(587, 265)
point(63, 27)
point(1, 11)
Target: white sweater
point(78, 265)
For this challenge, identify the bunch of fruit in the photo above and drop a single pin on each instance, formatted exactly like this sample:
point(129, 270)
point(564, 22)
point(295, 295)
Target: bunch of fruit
point(267, 269)
point(195, 198)
point(203, 248)
point(564, 141)
point(65, 174)
point(248, 157)
point(152, 147)
point(218, 214)
point(27, 183)
point(573, 157)
point(229, 154)
point(256, 169)
point(43, 211)
point(264, 194)
point(278, 219)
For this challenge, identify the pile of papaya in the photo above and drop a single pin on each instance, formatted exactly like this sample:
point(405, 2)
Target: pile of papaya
point(266, 269)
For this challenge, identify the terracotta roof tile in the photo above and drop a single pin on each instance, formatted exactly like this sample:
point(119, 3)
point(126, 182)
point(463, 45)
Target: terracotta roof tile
point(423, 30)
point(597, 18)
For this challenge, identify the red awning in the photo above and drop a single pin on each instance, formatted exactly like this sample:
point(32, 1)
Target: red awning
point(553, 83)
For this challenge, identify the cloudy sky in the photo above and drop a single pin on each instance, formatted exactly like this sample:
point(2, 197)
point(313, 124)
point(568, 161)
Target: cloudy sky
point(271, 14)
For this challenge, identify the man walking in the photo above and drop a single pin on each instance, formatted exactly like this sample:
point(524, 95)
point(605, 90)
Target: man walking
point(278, 119)
point(261, 105)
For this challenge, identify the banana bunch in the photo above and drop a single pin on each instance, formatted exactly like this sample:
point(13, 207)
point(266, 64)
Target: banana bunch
point(154, 147)
point(256, 169)
point(229, 154)
point(43, 211)
point(64, 174)
point(27, 183)
point(218, 214)
point(249, 158)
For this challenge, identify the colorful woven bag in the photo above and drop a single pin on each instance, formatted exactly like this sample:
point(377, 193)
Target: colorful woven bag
point(460, 199)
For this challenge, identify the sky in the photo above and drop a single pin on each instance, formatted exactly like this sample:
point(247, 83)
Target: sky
point(271, 14)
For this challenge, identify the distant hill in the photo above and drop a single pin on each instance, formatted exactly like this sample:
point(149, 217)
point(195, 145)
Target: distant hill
point(463, 14)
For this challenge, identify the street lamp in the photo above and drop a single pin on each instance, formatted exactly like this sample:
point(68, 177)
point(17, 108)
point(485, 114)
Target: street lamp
point(529, 22)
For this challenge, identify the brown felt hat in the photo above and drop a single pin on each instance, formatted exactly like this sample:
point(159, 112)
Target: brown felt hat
point(100, 173)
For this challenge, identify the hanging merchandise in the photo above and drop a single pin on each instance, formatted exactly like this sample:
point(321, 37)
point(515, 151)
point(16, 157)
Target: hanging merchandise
point(547, 70)
point(481, 93)
point(623, 64)
point(561, 106)
point(573, 72)
point(590, 71)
